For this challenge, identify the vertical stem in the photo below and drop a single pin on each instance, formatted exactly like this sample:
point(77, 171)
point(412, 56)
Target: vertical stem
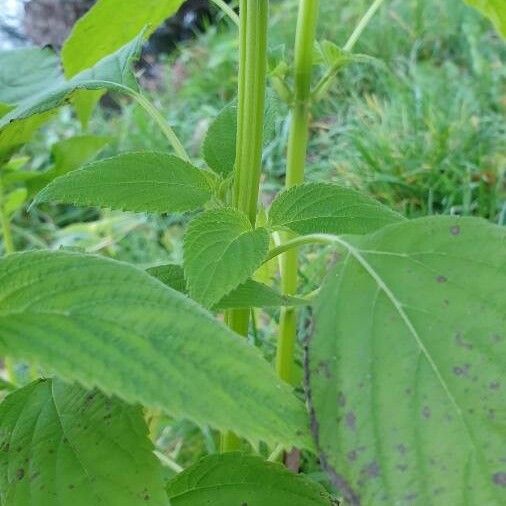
point(250, 125)
point(8, 249)
point(296, 160)
point(6, 226)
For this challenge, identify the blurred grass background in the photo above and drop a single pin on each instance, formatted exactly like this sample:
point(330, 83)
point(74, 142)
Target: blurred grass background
point(423, 131)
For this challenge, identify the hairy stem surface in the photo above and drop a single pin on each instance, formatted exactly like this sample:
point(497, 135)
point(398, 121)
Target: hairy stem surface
point(296, 160)
point(250, 125)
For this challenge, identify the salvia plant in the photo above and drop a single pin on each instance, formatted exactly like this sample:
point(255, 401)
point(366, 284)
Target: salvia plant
point(404, 367)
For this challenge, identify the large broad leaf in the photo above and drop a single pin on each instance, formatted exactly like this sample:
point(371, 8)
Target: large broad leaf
point(233, 480)
point(248, 294)
point(27, 72)
point(68, 155)
point(495, 10)
point(107, 26)
point(143, 181)
point(221, 251)
point(60, 444)
point(112, 73)
point(108, 324)
point(407, 363)
point(328, 208)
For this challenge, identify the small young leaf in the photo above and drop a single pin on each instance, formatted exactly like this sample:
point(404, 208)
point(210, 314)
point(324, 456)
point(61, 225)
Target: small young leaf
point(233, 479)
point(63, 445)
point(26, 72)
point(406, 365)
point(220, 142)
point(328, 208)
point(107, 26)
point(110, 325)
point(112, 73)
point(221, 251)
point(219, 147)
point(143, 181)
point(494, 10)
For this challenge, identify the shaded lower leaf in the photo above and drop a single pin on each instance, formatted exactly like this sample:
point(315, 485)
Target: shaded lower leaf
point(110, 325)
point(407, 362)
point(61, 444)
point(141, 181)
point(255, 294)
point(248, 294)
point(233, 479)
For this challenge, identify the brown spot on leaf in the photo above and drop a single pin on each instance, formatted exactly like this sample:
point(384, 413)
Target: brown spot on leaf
point(426, 413)
point(461, 370)
point(402, 449)
point(459, 341)
point(341, 399)
point(441, 279)
point(495, 385)
point(351, 420)
point(499, 479)
point(455, 230)
point(372, 470)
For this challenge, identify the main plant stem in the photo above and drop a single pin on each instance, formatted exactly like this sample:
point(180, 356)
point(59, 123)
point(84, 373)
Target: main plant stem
point(250, 124)
point(296, 161)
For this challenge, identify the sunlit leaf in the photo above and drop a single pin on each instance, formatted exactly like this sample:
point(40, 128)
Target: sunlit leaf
point(141, 181)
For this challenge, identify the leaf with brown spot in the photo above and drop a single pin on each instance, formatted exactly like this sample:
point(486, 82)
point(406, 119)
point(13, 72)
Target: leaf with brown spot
point(56, 461)
point(415, 361)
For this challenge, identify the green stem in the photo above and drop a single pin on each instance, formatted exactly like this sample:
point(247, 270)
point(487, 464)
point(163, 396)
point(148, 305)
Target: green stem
point(302, 240)
point(162, 123)
point(250, 124)
point(227, 10)
point(7, 233)
point(328, 78)
point(296, 160)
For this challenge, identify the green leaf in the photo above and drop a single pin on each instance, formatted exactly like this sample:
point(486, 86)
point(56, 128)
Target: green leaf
point(110, 325)
point(221, 251)
point(248, 294)
point(233, 479)
point(71, 153)
point(328, 208)
point(143, 181)
point(68, 155)
point(254, 294)
point(219, 148)
point(107, 26)
point(14, 201)
point(495, 10)
point(171, 275)
point(112, 73)
point(407, 362)
point(63, 445)
point(27, 72)
point(220, 142)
